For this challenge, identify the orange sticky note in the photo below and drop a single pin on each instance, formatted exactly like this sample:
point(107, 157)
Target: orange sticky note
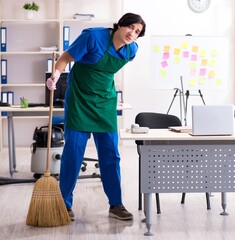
point(211, 74)
point(176, 51)
point(194, 49)
point(167, 49)
point(204, 62)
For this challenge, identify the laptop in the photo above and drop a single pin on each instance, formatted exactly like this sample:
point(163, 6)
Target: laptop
point(212, 120)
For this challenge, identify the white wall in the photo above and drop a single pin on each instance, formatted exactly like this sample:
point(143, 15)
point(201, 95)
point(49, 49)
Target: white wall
point(174, 17)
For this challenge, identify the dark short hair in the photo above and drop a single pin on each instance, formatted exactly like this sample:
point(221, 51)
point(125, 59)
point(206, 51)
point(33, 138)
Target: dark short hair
point(128, 19)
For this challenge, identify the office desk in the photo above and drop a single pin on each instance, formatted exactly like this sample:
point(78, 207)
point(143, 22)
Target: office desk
point(32, 111)
point(178, 162)
point(17, 111)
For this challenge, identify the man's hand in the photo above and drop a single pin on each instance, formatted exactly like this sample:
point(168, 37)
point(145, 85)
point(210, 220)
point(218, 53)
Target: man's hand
point(51, 83)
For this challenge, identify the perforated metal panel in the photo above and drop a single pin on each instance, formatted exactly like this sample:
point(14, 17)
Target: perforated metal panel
point(187, 168)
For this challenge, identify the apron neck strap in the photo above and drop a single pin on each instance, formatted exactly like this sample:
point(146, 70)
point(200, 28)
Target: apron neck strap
point(110, 42)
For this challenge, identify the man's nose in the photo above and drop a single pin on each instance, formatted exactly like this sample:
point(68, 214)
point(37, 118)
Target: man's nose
point(132, 32)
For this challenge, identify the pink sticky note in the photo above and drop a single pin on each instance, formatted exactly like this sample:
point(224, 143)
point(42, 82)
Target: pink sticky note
point(165, 55)
point(164, 64)
point(193, 57)
point(202, 72)
point(193, 72)
point(186, 54)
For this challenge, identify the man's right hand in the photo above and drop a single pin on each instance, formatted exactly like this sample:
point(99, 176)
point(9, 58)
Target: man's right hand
point(51, 83)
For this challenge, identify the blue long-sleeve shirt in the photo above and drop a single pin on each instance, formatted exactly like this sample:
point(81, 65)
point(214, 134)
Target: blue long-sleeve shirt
point(91, 44)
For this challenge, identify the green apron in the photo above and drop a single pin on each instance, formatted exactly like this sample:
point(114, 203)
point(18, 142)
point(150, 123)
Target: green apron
point(92, 99)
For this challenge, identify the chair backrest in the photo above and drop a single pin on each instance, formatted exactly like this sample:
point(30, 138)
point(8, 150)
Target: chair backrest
point(156, 120)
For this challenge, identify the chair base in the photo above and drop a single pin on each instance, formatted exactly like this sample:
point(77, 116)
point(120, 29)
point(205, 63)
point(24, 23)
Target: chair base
point(83, 168)
point(208, 204)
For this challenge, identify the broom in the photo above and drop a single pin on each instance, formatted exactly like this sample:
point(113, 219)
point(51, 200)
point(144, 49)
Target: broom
point(47, 208)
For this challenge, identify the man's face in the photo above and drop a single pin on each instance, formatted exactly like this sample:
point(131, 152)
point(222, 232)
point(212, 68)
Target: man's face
point(129, 33)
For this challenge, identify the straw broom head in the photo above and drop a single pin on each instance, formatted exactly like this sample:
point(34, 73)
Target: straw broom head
point(47, 208)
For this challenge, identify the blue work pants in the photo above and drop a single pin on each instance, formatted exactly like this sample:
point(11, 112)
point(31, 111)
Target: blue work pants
point(109, 164)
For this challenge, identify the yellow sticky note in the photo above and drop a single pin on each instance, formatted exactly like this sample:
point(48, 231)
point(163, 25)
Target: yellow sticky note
point(192, 82)
point(194, 49)
point(211, 74)
point(202, 80)
point(163, 73)
point(193, 64)
point(176, 51)
point(212, 62)
point(218, 81)
point(177, 60)
point(202, 53)
point(167, 48)
point(204, 62)
point(184, 45)
point(214, 53)
point(156, 48)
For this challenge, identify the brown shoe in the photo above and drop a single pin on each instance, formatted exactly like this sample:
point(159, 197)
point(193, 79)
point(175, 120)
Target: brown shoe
point(120, 213)
point(71, 214)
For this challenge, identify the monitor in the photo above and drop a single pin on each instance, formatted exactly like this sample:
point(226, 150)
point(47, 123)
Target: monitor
point(59, 93)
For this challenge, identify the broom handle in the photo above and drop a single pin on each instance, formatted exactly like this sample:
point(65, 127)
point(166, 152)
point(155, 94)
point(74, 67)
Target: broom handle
point(47, 173)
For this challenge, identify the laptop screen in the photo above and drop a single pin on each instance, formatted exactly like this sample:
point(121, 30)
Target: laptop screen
point(212, 119)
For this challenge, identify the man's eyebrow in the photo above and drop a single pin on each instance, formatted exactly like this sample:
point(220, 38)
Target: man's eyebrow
point(138, 30)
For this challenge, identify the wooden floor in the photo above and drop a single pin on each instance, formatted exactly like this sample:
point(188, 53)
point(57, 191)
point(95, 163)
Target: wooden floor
point(190, 221)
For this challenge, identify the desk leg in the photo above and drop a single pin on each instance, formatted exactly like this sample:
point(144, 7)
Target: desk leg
point(11, 144)
point(148, 210)
point(224, 203)
point(13, 147)
point(12, 156)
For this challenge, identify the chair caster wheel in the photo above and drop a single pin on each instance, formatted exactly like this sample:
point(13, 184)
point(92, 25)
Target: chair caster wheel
point(83, 169)
point(37, 175)
point(56, 176)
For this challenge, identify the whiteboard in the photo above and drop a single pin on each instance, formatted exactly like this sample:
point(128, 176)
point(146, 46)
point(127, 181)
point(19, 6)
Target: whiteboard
point(201, 61)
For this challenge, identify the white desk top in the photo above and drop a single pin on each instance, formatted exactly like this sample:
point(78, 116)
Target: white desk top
point(124, 106)
point(17, 108)
point(166, 135)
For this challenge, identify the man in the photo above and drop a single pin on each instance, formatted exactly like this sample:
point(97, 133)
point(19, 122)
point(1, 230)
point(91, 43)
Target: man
point(90, 105)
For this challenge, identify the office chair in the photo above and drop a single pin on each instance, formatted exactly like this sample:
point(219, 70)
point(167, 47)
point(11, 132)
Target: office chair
point(157, 120)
